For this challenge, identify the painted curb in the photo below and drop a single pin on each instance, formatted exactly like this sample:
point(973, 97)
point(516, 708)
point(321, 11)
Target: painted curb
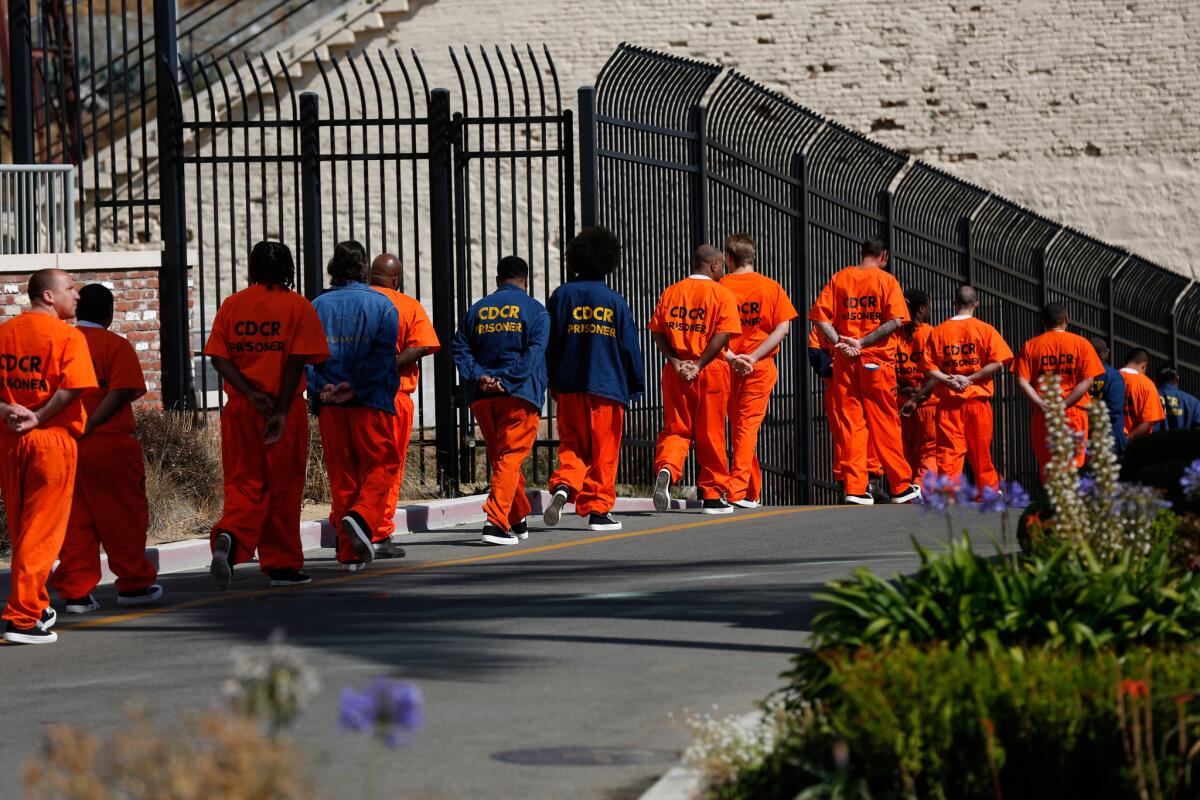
point(685, 782)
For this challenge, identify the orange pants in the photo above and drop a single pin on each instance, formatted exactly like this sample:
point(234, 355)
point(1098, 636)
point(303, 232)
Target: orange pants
point(920, 440)
point(839, 447)
point(1077, 418)
point(965, 429)
point(109, 508)
point(864, 404)
point(264, 485)
point(749, 396)
point(404, 424)
point(37, 478)
point(362, 460)
point(589, 448)
point(509, 426)
point(695, 412)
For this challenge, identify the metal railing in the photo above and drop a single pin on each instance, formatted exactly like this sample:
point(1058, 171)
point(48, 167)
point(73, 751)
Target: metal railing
point(37, 208)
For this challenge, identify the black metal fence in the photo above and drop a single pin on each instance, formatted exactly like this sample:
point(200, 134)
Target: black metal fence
point(676, 152)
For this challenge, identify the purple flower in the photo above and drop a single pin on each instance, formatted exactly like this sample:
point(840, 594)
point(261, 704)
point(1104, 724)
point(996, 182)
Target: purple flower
point(388, 709)
point(992, 501)
point(964, 492)
point(1190, 482)
point(1016, 495)
point(1086, 487)
point(931, 492)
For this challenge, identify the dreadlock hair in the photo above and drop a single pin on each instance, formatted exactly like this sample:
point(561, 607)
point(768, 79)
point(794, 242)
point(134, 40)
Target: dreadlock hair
point(271, 264)
point(916, 300)
point(348, 265)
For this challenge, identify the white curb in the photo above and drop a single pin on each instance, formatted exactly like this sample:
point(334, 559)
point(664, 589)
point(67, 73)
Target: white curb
point(681, 782)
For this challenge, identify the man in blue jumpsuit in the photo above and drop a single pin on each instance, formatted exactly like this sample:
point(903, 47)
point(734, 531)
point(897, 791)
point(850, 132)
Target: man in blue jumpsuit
point(1109, 389)
point(1181, 408)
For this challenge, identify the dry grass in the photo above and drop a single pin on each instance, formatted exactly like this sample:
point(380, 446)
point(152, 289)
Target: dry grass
point(183, 473)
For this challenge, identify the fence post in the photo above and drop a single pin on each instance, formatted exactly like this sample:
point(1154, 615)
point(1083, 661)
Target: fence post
point(699, 206)
point(19, 71)
point(175, 326)
point(968, 251)
point(310, 192)
point(589, 164)
point(801, 411)
point(1109, 281)
point(1039, 262)
point(441, 239)
point(568, 145)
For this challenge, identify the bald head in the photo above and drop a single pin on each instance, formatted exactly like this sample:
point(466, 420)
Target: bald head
point(385, 271)
point(709, 261)
point(52, 291)
point(965, 299)
point(1101, 346)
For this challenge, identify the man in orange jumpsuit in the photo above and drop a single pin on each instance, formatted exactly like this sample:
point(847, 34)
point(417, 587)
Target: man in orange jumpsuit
point(919, 424)
point(964, 355)
point(261, 339)
point(44, 367)
point(416, 340)
point(820, 358)
point(500, 353)
point(1073, 359)
point(766, 315)
point(692, 323)
point(1143, 408)
point(109, 506)
point(859, 312)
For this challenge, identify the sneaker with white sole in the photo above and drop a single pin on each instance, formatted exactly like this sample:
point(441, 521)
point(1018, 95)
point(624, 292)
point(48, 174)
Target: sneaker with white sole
point(49, 617)
point(746, 502)
point(554, 511)
point(151, 594)
point(493, 535)
point(662, 491)
point(82, 605)
point(909, 494)
point(351, 566)
point(603, 522)
point(388, 548)
point(716, 505)
point(860, 499)
point(521, 529)
point(354, 528)
point(221, 569)
point(33, 635)
point(289, 577)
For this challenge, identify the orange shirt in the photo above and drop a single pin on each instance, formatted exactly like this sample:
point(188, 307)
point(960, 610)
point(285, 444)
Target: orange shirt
point(818, 340)
point(415, 331)
point(40, 354)
point(763, 306)
point(691, 312)
point(1142, 403)
point(963, 347)
point(1072, 358)
point(856, 301)
point(910, 357)
point(117, 367)
point(259, 327)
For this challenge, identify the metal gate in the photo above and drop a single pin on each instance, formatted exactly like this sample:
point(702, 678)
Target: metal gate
point(360, 147)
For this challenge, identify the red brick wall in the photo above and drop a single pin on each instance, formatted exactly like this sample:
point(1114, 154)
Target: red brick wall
point(135, 316)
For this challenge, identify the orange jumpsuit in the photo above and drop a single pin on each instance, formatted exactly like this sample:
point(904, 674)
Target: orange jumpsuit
point(857, 301)
point(109, 506)
point(1073, 359)
point(818, 340)
point(39, 354)
point(1142, 403)
point(690, 313)
point(257, 329)
point(509, 426)
point(962, 346)
point(920, 429)
point(763, 306)
point(415, 331)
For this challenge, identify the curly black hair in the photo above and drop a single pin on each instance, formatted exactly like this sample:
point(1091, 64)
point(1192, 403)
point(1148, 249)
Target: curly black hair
point(271, 264)
point(593, 254)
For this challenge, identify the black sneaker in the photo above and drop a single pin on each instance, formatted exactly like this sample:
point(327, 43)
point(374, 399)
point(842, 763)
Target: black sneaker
point(876, 487)
point(354, 528)
point(32, 635)
point(717, 505)
point(351, 566)
point(493, 535)
point(388, 549)
point(221, 569)
point(908, 494)
point(604, 522)
point(521, 529)
point(49, 617)
point(289, 577)
point(554, 510)
point(860, 499)
point(142, 597)
point(82, 605)
point(662, 490)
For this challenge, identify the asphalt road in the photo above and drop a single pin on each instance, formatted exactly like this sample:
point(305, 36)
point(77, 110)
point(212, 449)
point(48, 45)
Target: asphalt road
point(549, 670)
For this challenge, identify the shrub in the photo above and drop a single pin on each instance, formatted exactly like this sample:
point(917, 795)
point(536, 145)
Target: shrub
point(1161, 460)
point(316, 480)
point(183, 472)
point(940, 722)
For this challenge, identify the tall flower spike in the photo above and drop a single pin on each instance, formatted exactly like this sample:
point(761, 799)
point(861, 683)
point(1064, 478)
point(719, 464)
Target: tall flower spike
point(1070, 515)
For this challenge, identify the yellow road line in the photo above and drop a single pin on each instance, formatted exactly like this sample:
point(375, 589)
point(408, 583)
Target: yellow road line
point(223, 597)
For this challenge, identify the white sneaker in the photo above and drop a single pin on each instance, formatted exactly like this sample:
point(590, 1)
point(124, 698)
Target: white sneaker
point(355, 529)
point(220, 569)
point(662, 491)
point(151, 594)
point(351, 566)
point(909, 495)
point(716, 505)
point(860, 499)
point(82, 605)
point(35, 635)
point(493, 535)
point(603, 522)
point(746, 503)
point(521, 530)
point(554, 510)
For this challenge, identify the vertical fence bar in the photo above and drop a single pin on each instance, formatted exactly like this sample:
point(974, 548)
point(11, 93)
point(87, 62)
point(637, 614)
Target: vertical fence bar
point(801, 402)
point(310, 192)
point(1039, 264)
point(175, 328)
point(20, 76)
point(442, 259)
point(567, 186)
point(589, 165)
point(699, 159)
point(968, 251)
